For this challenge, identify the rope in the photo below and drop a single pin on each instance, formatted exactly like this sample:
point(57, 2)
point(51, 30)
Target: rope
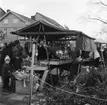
point(72, 93)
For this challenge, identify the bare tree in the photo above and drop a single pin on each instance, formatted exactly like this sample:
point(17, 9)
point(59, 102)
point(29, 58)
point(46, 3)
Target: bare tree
point(100, 3)
point(101, 7)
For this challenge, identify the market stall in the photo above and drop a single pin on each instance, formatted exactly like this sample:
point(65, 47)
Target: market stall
point(51, 32)
point(48, 32)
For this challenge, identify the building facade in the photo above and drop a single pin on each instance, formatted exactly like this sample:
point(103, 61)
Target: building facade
point(2, 12)
point(12, 21)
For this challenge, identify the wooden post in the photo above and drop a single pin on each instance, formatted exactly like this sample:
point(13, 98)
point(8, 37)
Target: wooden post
point(30, 44)
point(31, 75)
point(79, 67)
point(102, 58)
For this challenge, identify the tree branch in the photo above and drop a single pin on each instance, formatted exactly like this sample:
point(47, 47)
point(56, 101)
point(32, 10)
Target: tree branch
point(98, 20)
point(103, 3)
point(100, 3)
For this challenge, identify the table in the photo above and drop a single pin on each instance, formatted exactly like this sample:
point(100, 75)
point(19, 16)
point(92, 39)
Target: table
point(56, 62)
point(60, 65)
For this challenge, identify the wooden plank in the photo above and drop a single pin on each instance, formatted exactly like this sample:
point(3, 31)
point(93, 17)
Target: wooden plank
point(60, 62)
point(38, 68)
point(43, 79)
point(47, 33)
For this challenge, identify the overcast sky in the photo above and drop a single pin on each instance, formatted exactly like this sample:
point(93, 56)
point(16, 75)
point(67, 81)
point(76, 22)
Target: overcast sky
point(66, 12)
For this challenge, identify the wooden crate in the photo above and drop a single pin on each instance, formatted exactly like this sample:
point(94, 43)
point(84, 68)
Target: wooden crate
point(20, 89)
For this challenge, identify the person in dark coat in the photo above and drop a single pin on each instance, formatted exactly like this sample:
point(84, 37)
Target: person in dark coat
point(17, 56)
point(42, 54)
point(1, 50)
point(17, 64)
point(26, 48)
point(6, 73)
point(8, 50)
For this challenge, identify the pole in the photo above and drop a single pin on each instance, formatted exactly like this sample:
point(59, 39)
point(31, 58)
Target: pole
point(31, 75)
point(102, 56)
point(30, 44)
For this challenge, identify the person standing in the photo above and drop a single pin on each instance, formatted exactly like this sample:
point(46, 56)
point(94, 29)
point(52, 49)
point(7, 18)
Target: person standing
point(6, 73)
point(17, 56)
point(42, 54)
point(96, 58)
point(75, 67)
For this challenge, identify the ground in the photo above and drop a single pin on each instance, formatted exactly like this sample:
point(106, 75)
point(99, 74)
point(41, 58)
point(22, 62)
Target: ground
point(19, 99)
point(12, 99)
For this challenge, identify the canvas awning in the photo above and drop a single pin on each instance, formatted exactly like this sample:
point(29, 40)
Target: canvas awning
point(53, 32)
point(43, 28)
point(85, 43)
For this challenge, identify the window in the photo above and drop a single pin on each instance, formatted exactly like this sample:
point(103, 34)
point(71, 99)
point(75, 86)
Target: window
point(15, 21)
point(6, 21)
point(15, 29)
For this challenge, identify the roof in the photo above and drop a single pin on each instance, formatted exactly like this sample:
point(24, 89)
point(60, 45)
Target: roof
point(22, 17)
point(33, 27)
point(49, 27)
point(40, 16)
point(43, 28)
point(2, 12)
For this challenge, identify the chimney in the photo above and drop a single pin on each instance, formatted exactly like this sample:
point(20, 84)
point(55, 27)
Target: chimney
point(33, 17)
point(8, 10)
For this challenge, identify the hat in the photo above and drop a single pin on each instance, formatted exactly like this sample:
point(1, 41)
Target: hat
point(2, 45)
point(7, 58)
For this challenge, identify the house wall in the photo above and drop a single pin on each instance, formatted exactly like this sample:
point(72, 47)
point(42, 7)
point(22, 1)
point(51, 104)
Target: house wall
point(10, 23)
point(6, 28)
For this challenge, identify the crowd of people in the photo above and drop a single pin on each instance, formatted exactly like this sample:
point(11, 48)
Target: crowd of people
point(10, 61)
point(12, 57)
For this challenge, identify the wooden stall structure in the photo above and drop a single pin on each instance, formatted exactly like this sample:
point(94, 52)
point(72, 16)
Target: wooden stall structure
point(49, 32)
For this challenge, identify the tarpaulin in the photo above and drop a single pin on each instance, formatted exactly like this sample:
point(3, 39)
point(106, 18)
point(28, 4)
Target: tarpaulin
point(85, 43)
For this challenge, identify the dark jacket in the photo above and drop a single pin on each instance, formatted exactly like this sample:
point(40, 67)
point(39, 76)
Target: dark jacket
point(6, 70)
point(42, 55)
point(17, 63)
